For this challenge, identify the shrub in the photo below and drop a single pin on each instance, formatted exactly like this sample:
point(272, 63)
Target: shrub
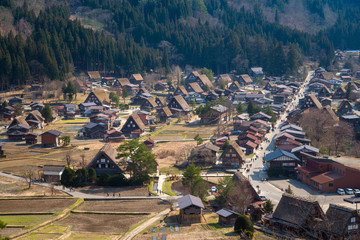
point(242, 224)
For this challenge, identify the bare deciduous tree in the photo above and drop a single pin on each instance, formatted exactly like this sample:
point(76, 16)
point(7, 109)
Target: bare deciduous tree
point(83, 162)
point(29, 175)
point(68, 159)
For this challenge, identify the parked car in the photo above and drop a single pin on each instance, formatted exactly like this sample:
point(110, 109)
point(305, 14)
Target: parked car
point(263, 198)
point(213, 189)
point(356, 192)
point(340, 191)
point(349, 191)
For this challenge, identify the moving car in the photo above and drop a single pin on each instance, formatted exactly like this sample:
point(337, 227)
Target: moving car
point(340, 191)
point(349, 191)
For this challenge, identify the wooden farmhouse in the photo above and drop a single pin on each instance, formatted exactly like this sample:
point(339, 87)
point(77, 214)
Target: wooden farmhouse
point(244, 79)
point(194, 87)
point(296, 215)
point(282, 159)
point(105, 161)
point(311, 101)
point(51, 138)
point(99, 97)
point(233, 156)
point(227, 217)
point(190, 209)
point(344, 107)
point(181, 90)
point(136, 79)
point(179, 106)
point(339, 93)
point(52, 174)
point(31, 138)
point(163, 114)
point(133, 126)
point(35, 119)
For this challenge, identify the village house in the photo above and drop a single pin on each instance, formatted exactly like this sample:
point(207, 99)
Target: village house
point(18, 129)
point(324, 92)
point(304, 149)
point(227, 217)
point(297, 215)
point(121, 82)
point(282, 159)
point(250, 146)
point(98, 97)
point(237, 122)
point(224, 78)
point(326, 102)
point(261, 116)
point(148, 104)
point(344, 107)
point(340, 223)
point(233, 156)
point(235, 86)
point(201, 79)
point(205, 154)
point(149, 143)
point(181, 90)
point(339, 93)
point(191, 208)
point(179, 106)
point(248, 192)
point(194, 87)
point(35, 119)
point(272, 87)
point(326, 175)
point(311, 101)
point(15, 100)
point(52, 173)
point(136, 79)
point(94, 75)
point(287, 144)
point(161, 86)
point(257, 73)
point(83, 107)
point(160, 101)
point(163, 114)
point(105, 161)
point(216, 114)
point(114, 136)
point(94, 130)
point(51, 138)
point(31, 138)
point(133, 126)
point(36, 106)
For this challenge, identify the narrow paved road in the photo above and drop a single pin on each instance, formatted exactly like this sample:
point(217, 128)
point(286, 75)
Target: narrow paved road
point(256, 173)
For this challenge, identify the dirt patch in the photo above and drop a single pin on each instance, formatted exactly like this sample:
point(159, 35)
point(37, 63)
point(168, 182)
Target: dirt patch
point(35, 205)
point(124, 191)
point(125, 206)
point(10, 231)
point(101, 223)
point(179, 188)
point(170, 153)
point(11, 187)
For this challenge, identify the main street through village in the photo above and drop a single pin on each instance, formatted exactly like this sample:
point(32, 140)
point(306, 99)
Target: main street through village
point(273, 189)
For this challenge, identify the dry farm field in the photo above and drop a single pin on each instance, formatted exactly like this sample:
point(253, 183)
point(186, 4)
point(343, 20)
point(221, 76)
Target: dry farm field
point(26, 205)
point(127, 206)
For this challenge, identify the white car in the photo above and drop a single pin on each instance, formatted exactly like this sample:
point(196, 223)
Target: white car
point(213, 189)
point(263, 198)
point(340, 191)
point(356, 191)
point(349, 191)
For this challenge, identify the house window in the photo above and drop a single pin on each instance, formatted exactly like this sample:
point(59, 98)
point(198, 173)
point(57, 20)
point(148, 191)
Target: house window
point(331, 184)
point(233, 155)
point(133, 125)
point(353, 219)
point(102, 160)
point(230, 150)
point(106, 166)
point(99, 165)
point(227, 155)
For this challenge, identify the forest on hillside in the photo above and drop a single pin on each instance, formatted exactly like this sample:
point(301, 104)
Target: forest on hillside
point(154, 34)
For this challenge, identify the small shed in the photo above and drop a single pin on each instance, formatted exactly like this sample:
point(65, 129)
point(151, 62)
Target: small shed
point(31, 138)
point(52, 173)
point(51, 138)
point(149, 143)
point(227, 217)
point(190, 209)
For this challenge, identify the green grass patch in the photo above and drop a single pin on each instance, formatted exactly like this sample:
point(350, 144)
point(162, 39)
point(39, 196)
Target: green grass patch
point(150, 186)
point(26, 220)
point(54, 229)
point(73, 121)
point(93, 236)
point(171, 171)
point(166, 188)
point(41, 236)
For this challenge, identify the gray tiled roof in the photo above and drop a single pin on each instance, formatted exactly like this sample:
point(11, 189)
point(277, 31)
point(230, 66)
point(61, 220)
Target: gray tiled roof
point(189, 200)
